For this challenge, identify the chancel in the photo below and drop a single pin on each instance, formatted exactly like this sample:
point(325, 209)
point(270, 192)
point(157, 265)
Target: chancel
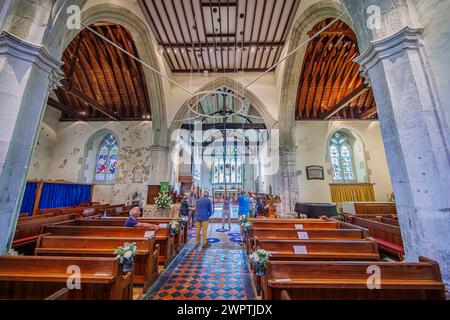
point(225, 150)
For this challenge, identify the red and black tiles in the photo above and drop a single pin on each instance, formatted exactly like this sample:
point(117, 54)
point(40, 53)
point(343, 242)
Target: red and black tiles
point(216, 273)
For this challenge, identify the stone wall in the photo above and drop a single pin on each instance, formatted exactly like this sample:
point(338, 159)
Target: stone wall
point(66, 154)
point(312, 139)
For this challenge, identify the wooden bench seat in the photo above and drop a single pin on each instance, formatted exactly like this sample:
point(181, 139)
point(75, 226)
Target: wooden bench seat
point(163, 238)
point(316, 280)
point(299, 225)
point(37, 278)
point(305, 234)
point(146, 261)
point(27, 232)
point(179, 240)
point(363, 250)
point(388, 237)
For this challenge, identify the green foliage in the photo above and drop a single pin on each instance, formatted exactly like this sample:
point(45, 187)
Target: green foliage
point(163, 201)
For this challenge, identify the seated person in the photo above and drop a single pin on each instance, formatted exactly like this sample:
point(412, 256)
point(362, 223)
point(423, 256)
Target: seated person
point(132, 221)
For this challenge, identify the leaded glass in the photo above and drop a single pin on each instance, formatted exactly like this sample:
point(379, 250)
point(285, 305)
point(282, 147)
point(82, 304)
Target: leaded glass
point(341, 158)
point(107, 166)
point(227, 169)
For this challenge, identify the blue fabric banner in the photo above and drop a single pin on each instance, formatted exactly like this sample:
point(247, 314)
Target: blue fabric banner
point(64, 195)
point(28, 198)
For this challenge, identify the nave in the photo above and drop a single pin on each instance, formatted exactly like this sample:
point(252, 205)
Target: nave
point(220, 272)
point(323, 125)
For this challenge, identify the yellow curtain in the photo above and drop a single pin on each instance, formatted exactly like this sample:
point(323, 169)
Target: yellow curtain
point(355, 192)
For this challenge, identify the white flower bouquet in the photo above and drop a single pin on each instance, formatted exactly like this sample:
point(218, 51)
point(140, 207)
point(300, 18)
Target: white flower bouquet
point(259, 259)
point(164, 201)
point(174, 227)
point(246, 225)
point(126, 252)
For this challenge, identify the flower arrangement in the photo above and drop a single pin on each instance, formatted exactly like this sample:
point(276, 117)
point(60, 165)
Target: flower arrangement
point(183, 220)
point(125, 254)
point(259, 259)
point(246, 225)
point(163, 201)
point(174, 227)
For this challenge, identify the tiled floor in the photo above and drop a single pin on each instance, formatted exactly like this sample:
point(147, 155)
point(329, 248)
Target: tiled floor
point(216, 273)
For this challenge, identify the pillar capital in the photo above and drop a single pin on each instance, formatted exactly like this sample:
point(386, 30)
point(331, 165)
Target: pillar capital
point(288, 149)
point(406, 38)
point(34, 53)
point(159, 148)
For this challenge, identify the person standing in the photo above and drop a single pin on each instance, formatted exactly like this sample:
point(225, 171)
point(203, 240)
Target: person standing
point(192, 204)
point(203, 213)
point(252, 205)
point(184, 206)
point(244, 205)
point(226, 210)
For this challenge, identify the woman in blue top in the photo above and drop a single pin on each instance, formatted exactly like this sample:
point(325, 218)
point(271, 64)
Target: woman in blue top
point(244, 204)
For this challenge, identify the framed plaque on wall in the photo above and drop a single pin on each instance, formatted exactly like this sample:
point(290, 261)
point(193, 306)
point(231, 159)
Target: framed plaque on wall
point(315, 173)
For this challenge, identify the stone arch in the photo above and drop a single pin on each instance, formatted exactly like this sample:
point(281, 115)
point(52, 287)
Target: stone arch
point(291, 76)
point(90, 154)
point(57, 39)
point(217, 83)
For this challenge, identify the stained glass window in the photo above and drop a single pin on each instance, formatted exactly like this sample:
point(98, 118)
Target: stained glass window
point(227, 166)
point(107, 166)
point(341, 158)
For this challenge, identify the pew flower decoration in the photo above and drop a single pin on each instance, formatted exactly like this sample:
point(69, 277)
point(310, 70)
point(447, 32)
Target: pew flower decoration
point(259, 259)
point(163, 201)
point(246, 225)
point(174, 227)
point(183, 221)
point(125, 254)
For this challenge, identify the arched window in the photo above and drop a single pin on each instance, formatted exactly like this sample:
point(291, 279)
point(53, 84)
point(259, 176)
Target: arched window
point(227, 168)
point(341, 155)
point(106, 168)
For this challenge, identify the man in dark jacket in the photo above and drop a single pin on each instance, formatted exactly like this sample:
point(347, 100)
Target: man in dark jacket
point(203, 212)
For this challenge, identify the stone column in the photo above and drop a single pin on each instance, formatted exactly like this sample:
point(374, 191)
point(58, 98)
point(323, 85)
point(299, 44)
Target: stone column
point(26, 71)
point(160, 164)
point(287, 178)
point(415, 139)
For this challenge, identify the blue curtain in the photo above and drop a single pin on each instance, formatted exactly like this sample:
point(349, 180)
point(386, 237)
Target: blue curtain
point(64, 195)
point(28, 198)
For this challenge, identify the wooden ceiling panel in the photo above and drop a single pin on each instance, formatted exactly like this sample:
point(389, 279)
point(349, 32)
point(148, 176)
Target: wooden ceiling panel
point(330, 85)
point(220, 36)
point(101, 81)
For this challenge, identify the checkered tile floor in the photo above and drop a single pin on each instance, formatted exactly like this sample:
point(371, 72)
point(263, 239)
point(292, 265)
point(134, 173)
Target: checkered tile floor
point(216, 273)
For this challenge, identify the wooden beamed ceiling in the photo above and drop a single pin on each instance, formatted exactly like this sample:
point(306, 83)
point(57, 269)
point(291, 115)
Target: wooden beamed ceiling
point(220, 35)
point(101, 82)
point(331, 86)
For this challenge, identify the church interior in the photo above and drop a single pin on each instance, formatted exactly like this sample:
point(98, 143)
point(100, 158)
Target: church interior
point(224, 150)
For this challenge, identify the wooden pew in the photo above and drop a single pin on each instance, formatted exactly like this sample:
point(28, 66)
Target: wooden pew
point(283, 250)
point(28, 231)
point(299, 225)
point(305, 234)
point(179, 240)
point(77, 228)
point(145, 267)
point(162, 234)
point(387, 236)
point(319, 280)
point(390, 221)
point(37, 278)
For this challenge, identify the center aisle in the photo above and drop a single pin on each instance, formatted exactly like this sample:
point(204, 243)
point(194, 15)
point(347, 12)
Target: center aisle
point(219, 272)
